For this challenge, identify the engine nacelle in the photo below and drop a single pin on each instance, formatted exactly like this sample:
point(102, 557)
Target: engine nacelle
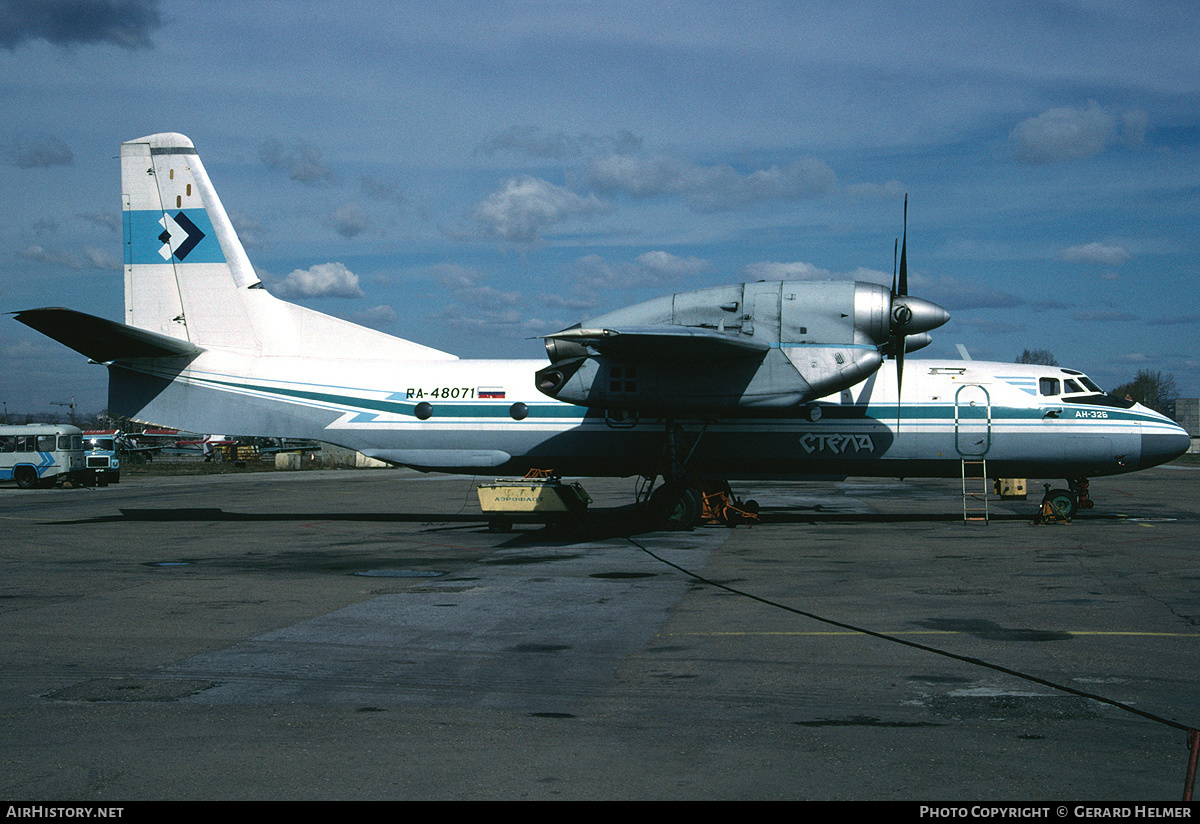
point(764, 345)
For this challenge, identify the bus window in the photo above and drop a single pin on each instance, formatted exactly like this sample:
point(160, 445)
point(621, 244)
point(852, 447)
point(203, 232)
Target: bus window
point(1049, 386)
point(45, 443)
point(25, 443)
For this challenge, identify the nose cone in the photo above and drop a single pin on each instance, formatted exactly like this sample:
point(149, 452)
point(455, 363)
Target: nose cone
point(1164, 445)
point(912, 316)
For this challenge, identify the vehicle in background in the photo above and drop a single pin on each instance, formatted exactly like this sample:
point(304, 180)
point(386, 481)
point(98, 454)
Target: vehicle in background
point(41, 454)
point(102, 463)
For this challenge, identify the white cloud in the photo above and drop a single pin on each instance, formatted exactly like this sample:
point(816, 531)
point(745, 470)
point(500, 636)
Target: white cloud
point(1135, 357)
point(1075, 132)
point(102, 259)
point(533, 141)
point(492, 322)
point(649, 270)
point(527, 204)
point(487, 297)
point(800, 270)
point(325, 280)
point(479, 307)
point(41, 254)
point(578, 299)
point(456, 276)
point(249, 230)
point(891, 189)
point(711, 188)
point(1097, 253)
point(92, 257)
point(377, 317)
point(668, 265)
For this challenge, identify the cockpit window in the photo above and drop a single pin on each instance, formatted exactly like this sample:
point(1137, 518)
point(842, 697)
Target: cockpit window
point(1100, 399)
point(1071, 386)
point(1090, 384)
point(1049, 386)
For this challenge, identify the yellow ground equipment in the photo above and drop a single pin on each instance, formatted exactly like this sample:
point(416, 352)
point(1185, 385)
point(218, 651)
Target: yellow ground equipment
point(539, 496)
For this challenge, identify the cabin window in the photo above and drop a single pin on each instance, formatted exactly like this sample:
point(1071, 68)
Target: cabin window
point(1049, 387)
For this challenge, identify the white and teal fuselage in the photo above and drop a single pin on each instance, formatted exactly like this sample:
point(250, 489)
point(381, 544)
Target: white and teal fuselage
point(488, 416)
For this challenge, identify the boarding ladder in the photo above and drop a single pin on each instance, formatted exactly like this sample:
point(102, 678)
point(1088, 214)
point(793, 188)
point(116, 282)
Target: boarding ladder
point(975, 489)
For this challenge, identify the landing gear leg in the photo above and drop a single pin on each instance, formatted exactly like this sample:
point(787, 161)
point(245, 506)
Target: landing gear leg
point(677, 503)
point(1080, 487)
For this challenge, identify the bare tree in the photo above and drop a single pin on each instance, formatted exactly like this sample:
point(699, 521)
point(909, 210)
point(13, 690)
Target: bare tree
point(1041, 356)
point(1153, 389)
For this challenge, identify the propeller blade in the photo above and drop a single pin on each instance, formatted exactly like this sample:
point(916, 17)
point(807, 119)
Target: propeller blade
point(903, 290)
point(895, 253)
point(904, 253)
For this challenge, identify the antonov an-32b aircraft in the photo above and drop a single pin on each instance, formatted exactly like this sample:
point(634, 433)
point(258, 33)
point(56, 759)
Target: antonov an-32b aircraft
point(754, 380)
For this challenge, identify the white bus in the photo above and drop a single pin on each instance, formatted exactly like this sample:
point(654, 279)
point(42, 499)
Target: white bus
point(40, 454)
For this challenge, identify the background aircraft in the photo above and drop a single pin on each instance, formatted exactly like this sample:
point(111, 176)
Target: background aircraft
point(769, 379)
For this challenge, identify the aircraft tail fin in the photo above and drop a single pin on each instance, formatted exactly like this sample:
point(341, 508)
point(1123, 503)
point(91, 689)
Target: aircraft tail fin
point(187, 275)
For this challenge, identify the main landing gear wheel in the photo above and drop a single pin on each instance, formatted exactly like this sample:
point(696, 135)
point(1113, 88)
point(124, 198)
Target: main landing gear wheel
point(1064, 501)
point(674, 505)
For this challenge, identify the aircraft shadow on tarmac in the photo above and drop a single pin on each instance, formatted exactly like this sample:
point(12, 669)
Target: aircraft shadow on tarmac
point(595, 523)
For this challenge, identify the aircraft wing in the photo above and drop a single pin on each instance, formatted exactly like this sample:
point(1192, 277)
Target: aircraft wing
point(103, 340)
point(665, 343)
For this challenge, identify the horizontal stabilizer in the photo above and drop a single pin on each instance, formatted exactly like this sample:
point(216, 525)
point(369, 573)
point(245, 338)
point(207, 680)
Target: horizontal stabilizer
point(103, 340)
point(665, 343)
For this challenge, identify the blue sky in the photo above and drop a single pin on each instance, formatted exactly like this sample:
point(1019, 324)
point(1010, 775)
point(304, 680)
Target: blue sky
point(470, 175)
